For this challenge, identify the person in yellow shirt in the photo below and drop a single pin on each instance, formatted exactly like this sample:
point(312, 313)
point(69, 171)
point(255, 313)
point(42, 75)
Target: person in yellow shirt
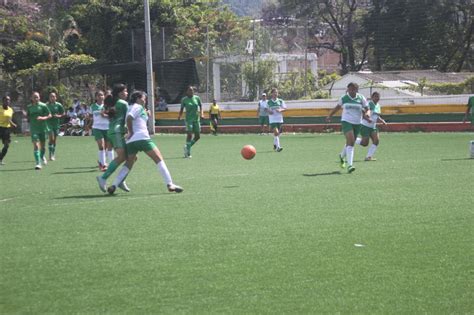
point(6, 122)
point(214, 116)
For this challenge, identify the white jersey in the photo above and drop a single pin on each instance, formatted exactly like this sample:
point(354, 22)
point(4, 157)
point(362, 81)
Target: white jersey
point(274, 116)
point(352, 108)
point(262, 108)
point(99, 122)
point(139, 123)
point(374, 115)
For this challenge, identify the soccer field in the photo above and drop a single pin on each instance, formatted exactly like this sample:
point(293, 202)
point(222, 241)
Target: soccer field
point(286, 232)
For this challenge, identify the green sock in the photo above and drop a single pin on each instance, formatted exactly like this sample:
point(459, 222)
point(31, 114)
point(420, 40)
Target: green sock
point(112, 167)
point(42, 152)
point(37, 156)
point(192, 143)
point(51, 149)
point(188, 145)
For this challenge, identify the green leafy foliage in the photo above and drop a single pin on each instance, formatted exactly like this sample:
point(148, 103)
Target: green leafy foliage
point(24, 55)
point(259, 76)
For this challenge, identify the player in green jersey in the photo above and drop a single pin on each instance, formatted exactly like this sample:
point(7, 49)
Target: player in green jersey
point(469, 110)
point(354, 107)
point(369, 130)
point(138, 139)
point(192, 104)
point(116, 109)
point(57, 113)
point(38, 114)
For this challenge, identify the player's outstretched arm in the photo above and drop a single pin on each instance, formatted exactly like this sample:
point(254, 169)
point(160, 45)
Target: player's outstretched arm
point(333, 111)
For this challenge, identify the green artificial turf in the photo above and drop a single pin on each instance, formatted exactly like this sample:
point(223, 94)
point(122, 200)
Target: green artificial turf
point(286, 232)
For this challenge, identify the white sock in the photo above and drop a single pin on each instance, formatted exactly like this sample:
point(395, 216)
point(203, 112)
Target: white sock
point(164, 172)
point(372, 150)
point(121, 175)
point(358, 140)
point(102, 157)
point(277, 141)
point(343, 152)
point(350, 154)
point(110, 155)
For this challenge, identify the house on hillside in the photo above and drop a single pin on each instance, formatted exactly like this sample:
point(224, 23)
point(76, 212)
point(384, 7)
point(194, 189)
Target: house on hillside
point(394, 83)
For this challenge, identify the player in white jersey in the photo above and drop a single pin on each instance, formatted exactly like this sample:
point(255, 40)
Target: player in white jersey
point(275, 108)
point(262, 113)
point(369, 130)
point(100, 126)
point(138, 139)
point(354, 107)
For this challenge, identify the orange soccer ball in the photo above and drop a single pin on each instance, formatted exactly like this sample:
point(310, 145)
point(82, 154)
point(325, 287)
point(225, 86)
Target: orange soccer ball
point(248, 152)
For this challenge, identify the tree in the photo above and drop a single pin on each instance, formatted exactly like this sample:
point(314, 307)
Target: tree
point(421, 34)
point(24, 55)
point(341, 23)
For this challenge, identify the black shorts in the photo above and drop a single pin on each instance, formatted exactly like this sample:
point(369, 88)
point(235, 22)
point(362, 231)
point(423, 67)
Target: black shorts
point(5, 134)
point(214, 116)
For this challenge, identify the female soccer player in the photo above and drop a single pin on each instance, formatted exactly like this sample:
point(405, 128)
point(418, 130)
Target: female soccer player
point(116, 109)
point(262, 113)
point(354, 107)
point(369, 130)
point(192, 104)
point(469, 110)
point(275, 109)
point(100, 126)
point(38, 114)
point(214, 116)
point(57, 113)
point(138, 139)
point(6, 122)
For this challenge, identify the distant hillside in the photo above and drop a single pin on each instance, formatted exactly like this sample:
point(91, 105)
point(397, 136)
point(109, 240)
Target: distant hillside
point(245, 7)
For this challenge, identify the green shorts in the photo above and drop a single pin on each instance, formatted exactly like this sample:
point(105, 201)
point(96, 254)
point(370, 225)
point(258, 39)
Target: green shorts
point(367, 131)
point(117, 140)
point(54, 130)
point(346, 127)
point(140, 145)
point(276, 125)
point(263, 120)
point(193, 126)
point(38, 137)
point(100, 134)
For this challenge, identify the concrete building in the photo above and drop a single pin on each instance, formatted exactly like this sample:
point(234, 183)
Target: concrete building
point(394, 83)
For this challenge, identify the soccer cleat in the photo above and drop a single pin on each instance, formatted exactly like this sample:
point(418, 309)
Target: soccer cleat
point(38, 167)
point(274, 147)
point(369, 158)
point(124, 186)
point(111, 189)
point(350, 169)
point(45, 161)
point(102, 184)
point(279, 149)
point(342, 162)
point(175, 188)
point(52, 158)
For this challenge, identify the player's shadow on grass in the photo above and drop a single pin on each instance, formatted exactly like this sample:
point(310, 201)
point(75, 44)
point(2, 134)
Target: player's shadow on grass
point(18, 170)
point(81, 168)
point(70, 173)
point(84, 196)
point(323, 174)
point(451, 160)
